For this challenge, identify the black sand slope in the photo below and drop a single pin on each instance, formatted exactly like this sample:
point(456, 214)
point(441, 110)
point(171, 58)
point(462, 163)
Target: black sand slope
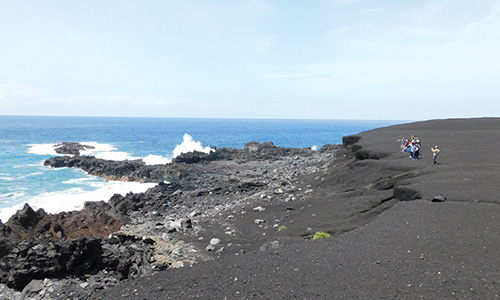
point(389, 240)
point(469, 161)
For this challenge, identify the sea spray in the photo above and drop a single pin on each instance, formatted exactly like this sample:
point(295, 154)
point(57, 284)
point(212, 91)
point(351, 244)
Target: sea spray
point(90, 189)
point(190, 145)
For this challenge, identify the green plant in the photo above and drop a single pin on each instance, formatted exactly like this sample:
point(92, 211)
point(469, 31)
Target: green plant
point(321, 235)
point(282, 228)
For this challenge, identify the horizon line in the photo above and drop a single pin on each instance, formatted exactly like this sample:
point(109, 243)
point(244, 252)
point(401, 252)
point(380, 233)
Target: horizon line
point(208, 118)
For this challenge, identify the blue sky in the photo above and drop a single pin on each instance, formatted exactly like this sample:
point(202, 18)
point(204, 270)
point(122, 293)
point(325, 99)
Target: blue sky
point(336, 59)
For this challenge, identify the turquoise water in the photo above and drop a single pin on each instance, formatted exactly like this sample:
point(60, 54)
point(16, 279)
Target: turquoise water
point(25, 142)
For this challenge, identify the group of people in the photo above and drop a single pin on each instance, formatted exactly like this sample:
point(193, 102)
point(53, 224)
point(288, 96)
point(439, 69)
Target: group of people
point(412, 147)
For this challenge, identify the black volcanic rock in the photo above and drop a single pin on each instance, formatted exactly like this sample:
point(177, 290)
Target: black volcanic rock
point(27, 223)
point(191, 157)
point(71, 148)
point(185, 167)
point(27, 217)
point(29, 260)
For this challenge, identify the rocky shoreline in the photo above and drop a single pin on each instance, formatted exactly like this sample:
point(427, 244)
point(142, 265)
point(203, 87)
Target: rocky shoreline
point(174, 224)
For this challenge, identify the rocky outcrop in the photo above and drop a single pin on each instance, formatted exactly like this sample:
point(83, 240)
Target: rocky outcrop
point(96, 219)
point(71, 148)
point(191, 157)
point(184, 168)
point(29, 260)
point(351, 141)
point(129, 170)
point(121, 257)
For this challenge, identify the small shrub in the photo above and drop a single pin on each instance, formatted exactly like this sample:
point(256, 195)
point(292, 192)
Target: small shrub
point(321, 235)
point(282, 228)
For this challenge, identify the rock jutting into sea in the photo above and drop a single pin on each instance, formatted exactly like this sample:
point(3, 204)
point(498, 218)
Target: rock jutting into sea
point(71, 148)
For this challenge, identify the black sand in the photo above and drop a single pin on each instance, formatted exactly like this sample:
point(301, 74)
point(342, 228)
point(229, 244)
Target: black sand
point(389, 241)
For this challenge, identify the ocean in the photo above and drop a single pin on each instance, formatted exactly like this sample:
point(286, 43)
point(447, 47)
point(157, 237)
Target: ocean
point(25, 142)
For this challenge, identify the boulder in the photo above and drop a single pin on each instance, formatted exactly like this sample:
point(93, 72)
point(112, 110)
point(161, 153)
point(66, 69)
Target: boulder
point(406, 194)
point(28, 224)
point(215, 241)
point(191, 157)
point(439, 198)
point(32, 289)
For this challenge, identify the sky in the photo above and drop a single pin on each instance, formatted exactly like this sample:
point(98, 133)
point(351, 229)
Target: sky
point(314, 59)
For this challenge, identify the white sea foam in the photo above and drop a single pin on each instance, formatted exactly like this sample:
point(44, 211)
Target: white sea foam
point(115, 155)
point(98, 147)
point(106, 151)
point(12, 195)
point(190, 145)
point(42, 149)
point(109, 152)
point(314, 148)
point(156, 160)
point(9, 177)
point(40, 164)
point(74, 198)
point(83, 180)
point(100, 150)
point(34, 174)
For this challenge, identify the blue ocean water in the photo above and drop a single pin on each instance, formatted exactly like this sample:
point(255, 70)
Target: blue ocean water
point(25, 142)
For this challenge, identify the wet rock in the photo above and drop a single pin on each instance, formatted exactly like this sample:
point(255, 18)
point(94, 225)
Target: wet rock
point(71, 148)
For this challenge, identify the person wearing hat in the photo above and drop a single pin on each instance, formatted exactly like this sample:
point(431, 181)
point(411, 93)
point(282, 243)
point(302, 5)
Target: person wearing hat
point(435, 153)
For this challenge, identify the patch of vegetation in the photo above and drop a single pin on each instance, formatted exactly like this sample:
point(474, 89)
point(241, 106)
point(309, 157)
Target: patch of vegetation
point(282, 228)
point(321, 235)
